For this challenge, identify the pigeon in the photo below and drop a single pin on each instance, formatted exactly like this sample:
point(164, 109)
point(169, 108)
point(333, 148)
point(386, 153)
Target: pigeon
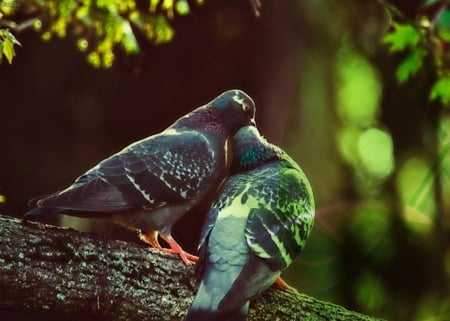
point(153, 182)
point(256, 226)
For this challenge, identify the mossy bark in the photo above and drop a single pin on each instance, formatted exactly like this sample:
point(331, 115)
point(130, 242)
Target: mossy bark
point(64, 273)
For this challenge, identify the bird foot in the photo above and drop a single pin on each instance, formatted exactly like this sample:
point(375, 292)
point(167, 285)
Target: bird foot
point(186, 257)
point(175, 248)
point(282, 284)
point(151, 238)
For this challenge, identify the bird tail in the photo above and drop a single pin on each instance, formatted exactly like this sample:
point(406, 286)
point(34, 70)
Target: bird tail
point(41, 212)
point(206, 308)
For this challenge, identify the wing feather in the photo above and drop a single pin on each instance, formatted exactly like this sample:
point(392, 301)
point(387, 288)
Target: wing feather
point(168, 167)
point(277, 231)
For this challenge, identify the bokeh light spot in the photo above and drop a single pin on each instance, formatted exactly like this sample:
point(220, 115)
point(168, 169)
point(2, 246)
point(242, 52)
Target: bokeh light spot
point(359, 88)
point(375, 149)
point(415, 186)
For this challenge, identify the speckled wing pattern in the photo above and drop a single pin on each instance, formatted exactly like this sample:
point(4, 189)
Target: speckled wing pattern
point(281, 207)
point(278, 229)
point(170, 167)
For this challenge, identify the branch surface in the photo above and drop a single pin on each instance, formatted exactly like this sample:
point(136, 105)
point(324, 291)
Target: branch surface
point(61, 272)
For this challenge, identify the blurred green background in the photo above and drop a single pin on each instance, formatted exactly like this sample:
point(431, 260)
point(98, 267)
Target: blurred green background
point(377, 153)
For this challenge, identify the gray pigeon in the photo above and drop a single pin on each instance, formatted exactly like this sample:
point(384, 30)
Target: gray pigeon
point(255, 228)
point(151, 183)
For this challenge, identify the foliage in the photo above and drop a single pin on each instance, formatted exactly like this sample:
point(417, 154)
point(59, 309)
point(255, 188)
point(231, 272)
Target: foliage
point(397, 154)
point(425, 36)
point(99, 27)
point(7, 42)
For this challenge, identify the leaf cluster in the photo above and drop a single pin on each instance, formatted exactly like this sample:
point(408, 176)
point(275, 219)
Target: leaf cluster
point(99, 27)
point(425, 37)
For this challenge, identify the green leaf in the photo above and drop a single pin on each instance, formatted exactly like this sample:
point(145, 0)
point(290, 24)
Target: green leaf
point(8, 49)
point(441, 90)
point(154, 4)
point(443, 25)
point(94, 59)
point(403, 36)
point(129, 40)
point(11, 37)
point(410, 65)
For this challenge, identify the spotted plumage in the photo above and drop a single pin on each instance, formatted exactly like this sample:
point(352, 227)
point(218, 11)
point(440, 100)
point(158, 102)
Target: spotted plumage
point(258, 224)
point(151, 183)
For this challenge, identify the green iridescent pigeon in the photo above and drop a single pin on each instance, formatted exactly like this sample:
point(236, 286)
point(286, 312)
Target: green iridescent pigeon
point(255, 228)
point(150, 184)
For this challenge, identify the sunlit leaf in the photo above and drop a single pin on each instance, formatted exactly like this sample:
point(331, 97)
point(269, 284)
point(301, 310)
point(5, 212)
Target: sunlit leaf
point(10, 7)
point(154, 4)
point(7, 42)
point(11, 37)
point(441, 90)
point(8, 49)
point(129, 40)
point(109, 5)
point(163, 31)
point(168, 6)
point(108, 59)
point(410, 65)
point(94, 59)
point(403, 36)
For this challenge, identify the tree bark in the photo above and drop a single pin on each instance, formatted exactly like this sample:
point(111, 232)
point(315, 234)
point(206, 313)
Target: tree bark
point(63, 273)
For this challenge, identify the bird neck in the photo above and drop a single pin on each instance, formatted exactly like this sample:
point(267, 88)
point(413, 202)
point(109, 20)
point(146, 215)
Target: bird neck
point(256, 156)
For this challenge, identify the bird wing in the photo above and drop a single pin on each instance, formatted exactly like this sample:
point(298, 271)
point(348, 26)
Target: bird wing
point(230, 270)
point(254, 230)
point(279, 221)
point(170, 167)
point(277, 231)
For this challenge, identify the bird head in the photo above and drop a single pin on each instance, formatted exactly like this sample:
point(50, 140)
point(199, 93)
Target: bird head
point(224, 115)
point(236, 109)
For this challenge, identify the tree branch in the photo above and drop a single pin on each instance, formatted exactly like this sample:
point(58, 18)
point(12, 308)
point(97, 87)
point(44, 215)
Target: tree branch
point(18, 27)
point(64, 273)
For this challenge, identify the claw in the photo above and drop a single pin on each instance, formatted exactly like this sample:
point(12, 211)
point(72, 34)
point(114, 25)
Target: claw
point(151, 238)
point(282, 284)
